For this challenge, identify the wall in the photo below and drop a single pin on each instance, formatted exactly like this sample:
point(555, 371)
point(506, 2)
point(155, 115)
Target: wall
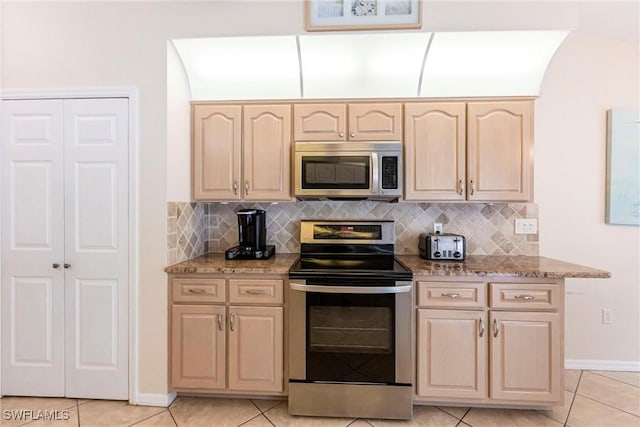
point(588, 76)
point(89, 44)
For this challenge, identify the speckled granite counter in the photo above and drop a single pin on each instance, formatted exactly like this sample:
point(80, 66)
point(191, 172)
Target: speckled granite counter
point(501, 266)
point(215, 263)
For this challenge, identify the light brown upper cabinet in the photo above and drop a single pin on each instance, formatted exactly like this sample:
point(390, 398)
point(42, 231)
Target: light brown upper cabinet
point(483, 155)
point(241, 152)
point(435, 151)
point(499, 150)
point(347, 122)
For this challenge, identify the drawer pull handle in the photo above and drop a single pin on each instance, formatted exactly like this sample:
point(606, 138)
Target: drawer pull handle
point(526, 297)
point(232, 320)
point(450, 295)
point(256, 291)
point(481, 328)
point(198, 291)
point(495, 328)
point(220, 321)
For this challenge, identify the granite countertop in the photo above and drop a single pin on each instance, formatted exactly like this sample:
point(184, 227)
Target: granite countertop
point(215, 263)
point(502, 266)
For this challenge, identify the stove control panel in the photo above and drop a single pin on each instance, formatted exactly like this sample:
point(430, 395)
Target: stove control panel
point(442, 246)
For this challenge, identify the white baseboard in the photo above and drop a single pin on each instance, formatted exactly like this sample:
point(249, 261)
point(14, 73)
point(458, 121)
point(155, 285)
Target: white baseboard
point(156, 399)
point(602, 365)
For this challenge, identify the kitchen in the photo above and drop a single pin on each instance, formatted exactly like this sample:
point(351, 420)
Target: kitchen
point(568, 121)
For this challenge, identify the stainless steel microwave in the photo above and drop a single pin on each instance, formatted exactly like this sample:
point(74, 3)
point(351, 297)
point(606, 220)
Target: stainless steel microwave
point(348, 170)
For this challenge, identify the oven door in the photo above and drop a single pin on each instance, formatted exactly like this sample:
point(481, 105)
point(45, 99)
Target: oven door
point(350, 332)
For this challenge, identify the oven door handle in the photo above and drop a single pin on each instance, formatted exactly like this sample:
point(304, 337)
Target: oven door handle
point(350, 289)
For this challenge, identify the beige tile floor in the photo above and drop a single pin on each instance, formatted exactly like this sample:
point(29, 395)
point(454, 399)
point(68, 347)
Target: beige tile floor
point(592, 399)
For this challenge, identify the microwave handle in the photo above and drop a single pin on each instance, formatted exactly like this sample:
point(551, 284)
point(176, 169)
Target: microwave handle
point(375, 177)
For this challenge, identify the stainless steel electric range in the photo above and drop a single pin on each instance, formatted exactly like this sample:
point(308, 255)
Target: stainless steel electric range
point(350, 323)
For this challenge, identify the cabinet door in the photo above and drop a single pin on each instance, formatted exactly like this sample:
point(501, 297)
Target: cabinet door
point(197, 346)
point(452, 354)
point(499, 145)
point(375, 122)
point(434, 148)
point(256, 348)
point(267, 152)
point(319, 122)
point(216, 152)
point(526, 356)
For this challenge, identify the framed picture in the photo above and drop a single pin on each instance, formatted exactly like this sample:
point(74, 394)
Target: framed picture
point(623, 170)
point(335, 15)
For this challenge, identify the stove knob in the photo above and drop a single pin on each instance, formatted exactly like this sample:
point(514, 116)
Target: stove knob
point(457, 254)
point(437, 254)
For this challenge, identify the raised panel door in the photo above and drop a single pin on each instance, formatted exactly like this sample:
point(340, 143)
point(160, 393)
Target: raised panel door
point(499, 145)
point(96, 248)
point(32, 291)
point(526, 356)
point(267, 152)
point(452, 354)
point(256, 349)
point(198, 346)
point(216, 152)
point(434, 147)
point(375, 122)
point(319, 122)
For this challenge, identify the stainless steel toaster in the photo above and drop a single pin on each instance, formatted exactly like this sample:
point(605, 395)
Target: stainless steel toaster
point(442, 246)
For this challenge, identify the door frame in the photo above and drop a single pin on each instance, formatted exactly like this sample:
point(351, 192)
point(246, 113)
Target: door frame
point(133, 96)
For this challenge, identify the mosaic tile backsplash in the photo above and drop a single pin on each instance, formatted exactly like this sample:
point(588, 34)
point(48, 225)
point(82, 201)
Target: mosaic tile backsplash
point(488, 228)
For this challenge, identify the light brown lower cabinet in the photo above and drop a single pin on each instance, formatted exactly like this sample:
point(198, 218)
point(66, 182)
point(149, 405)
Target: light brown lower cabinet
point(508, 352)
point(216, 346)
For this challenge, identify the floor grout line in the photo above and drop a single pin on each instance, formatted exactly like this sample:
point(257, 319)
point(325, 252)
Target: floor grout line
point(172, 417)
point(614, 379)
point(610, 406)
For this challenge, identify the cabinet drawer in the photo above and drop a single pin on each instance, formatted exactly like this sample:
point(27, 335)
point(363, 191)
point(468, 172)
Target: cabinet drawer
point(256, 291)
point(525, 295)
point(197, 290)
point(452, 294)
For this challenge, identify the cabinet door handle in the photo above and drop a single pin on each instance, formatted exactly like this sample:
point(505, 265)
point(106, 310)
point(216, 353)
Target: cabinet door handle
point(450, 295)
point(56, 265)
point(472, 187)
point(220, 321)
point(353, 134)
point(461, 191)
point(235, 187)
point(526, 297)
point(246, 188)
point(481, 328)
point(495, 328)
point(232, 320)
point(67, 265)
point(341, 134)
point(198, 291)
point(256, 291)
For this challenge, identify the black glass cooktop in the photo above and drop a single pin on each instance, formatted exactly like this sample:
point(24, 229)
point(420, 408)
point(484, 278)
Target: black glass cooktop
point(344, 266)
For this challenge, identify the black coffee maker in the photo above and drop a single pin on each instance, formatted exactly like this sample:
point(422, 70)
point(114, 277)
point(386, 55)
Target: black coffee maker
point(252, 235)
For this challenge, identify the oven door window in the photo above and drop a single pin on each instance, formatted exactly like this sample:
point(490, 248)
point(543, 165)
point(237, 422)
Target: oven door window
point(350, 338)
point(336, 172)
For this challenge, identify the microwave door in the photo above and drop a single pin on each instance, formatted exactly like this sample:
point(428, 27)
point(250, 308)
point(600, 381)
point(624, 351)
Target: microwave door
point(346, 174)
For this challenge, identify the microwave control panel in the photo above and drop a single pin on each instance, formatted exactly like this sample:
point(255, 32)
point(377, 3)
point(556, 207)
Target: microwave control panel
point(389, 172)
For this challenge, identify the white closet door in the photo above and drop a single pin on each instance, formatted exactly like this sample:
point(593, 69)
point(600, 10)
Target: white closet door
point(32, 243)
point(96, 247)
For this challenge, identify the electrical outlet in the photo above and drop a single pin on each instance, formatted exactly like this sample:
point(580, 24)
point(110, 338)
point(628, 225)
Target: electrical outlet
point(606, 316)
point(437, 227)
point(526, 226)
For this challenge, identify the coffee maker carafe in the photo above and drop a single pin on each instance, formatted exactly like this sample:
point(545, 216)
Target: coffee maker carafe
point(252, 236)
